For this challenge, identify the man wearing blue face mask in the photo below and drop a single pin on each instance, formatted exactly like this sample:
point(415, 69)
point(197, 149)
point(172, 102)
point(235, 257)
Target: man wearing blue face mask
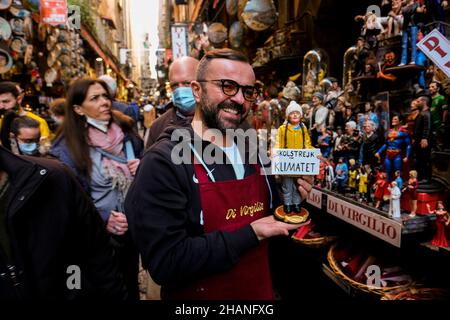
point(25, 135)
point(182, 107)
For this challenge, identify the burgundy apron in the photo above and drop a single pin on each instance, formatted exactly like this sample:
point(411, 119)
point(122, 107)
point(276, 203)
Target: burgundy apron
point(228, 206)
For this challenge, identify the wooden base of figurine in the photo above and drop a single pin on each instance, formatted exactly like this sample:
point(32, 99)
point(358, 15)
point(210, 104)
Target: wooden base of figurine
point(294, 218)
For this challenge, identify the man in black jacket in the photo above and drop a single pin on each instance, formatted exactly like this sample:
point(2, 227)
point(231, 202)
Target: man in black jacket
point(370, 145)
point(201, 225)
point(423, 140)
point(52, 241)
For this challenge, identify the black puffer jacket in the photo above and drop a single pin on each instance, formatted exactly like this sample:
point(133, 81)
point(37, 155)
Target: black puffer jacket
point(52, 225)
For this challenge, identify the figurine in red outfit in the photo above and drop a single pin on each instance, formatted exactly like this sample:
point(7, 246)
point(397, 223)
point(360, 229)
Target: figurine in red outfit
point(442, 221)
point(411, 188)
point(380, 187)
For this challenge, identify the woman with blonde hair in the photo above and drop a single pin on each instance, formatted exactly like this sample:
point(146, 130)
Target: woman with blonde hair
point(411, 188)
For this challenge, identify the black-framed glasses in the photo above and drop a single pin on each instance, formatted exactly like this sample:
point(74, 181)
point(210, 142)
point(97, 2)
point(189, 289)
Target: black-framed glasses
point(231, 88)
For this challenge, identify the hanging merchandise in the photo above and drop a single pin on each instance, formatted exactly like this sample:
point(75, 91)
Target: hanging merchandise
point(33, 5)
point(51, 41)
point(6, 61)
point(51, 58)
point(19, 12)
point(19, 44)
point(236, 34)
point(5, 4)
point(50, 76)
point(240, 9)
point(232, 6)
point(28, 27)
point(28, 54)
point(217, 34)
point(42, 32)
point(17, 26)
point(5, 29)
point(259, 14)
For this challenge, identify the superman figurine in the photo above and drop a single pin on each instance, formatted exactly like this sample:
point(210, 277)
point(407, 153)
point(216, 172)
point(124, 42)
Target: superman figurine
point(397, 140)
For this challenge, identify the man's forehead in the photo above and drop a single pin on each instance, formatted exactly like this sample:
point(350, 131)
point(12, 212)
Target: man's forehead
point(238, 71)
point(29, 132)
point(6, 95)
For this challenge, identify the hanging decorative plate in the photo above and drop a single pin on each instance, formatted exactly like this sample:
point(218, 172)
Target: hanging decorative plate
point(19, 44)
point(28, 54)
point(5, 4)
point(217, 33)
point(51, 42)
point(232, 6)
point(50, 76)
point(6, 61)
point(64, 36)
point(236, 34)
point(33, 5)
point(28, 27)
point(259, 14)
point(19, 12)
point(42, 32)
point(5, 29)
point(240, 10)
point(17, 26)
point(51, 58)
point(65, 60)
point(63, 47)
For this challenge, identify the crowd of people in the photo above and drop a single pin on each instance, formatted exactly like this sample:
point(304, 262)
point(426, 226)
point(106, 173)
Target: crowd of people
point(107, 201)
point(86, 196)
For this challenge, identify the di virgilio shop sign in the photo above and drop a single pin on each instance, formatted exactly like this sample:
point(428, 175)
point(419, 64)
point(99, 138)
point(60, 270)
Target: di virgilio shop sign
point(377, 225)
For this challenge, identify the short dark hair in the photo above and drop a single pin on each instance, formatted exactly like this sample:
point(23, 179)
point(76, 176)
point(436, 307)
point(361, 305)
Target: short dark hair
point(8, 86)
point(426, 98)
point(57, 107)
point(23, 122)
point(225, 53)
point(438, 84)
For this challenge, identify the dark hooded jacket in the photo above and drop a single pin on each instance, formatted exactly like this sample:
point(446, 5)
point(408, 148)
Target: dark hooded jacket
point(53, 228)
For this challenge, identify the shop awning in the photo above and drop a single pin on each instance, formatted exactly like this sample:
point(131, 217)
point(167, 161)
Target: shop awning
point(93, 43)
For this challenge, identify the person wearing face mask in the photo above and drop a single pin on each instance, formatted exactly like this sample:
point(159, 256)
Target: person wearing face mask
point(102, 148)
point(25, 135)
point(57, 112)
point(11, 96)
point(182, 107)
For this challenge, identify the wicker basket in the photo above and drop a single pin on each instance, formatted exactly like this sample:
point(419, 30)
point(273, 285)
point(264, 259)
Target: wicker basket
point(316, 242)
point(357, 285)
point(418, 294)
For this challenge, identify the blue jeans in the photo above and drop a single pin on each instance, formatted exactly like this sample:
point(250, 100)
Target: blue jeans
point(410, 32)
point(420, 61)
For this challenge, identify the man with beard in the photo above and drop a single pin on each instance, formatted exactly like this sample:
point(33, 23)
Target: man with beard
point(422, 140)
point(201, 226)
point(11, 96)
